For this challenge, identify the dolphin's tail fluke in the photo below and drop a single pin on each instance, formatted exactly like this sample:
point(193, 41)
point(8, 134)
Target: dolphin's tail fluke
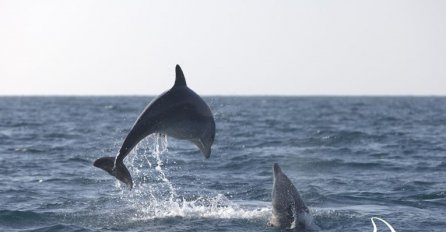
point(117, 169)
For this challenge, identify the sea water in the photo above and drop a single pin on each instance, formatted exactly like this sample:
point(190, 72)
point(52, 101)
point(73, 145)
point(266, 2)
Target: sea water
point(351, 158)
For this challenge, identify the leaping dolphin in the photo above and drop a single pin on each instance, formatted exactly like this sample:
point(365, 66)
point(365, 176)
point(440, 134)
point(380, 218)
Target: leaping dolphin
point(289, 210)
point(179, 112)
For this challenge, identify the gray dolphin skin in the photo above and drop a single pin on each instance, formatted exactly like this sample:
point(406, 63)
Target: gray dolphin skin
point(179, 112)
point(289, 209)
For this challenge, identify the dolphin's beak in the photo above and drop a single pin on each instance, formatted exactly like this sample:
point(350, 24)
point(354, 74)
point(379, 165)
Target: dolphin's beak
point(276, 169)
point(205, 150)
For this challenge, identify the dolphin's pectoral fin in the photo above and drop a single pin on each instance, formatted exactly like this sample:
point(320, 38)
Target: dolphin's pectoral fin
point(117, 170)
point(298, 220)
point(296, 223)
point(291, 217)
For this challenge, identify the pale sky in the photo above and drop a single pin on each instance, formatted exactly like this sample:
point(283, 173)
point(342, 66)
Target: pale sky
point(239, 47)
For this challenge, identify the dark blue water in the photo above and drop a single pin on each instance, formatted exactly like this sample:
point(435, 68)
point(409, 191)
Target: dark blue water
point(351, 158)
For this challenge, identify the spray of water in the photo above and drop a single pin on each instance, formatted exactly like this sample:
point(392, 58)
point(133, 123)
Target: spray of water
point(154, 195)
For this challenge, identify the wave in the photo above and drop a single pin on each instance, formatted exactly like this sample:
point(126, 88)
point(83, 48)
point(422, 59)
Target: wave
point(431, 196)
point(58, 227)
point(21, 219)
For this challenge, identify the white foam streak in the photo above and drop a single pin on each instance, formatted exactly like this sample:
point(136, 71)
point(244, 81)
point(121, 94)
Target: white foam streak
point(382, 220)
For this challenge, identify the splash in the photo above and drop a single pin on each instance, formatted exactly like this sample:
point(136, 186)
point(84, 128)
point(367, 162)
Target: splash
point(154, 195)
point(217, 207)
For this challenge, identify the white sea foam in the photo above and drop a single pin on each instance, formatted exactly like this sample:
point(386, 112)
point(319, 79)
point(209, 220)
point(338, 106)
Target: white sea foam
point(154, 196)
point(215, 207)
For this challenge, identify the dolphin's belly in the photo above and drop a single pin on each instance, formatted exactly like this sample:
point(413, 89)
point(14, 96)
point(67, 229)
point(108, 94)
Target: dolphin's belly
point(281, 219)
point(184, 129)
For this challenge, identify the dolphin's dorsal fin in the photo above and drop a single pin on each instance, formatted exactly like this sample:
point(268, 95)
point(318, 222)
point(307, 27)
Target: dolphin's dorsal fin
point(179, 79)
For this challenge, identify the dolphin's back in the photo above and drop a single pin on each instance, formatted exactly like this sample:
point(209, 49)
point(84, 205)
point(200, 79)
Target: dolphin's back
point(286, 201)
point(178, 112)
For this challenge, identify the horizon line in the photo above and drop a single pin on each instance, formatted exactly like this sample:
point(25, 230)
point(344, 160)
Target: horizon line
point(227, 95)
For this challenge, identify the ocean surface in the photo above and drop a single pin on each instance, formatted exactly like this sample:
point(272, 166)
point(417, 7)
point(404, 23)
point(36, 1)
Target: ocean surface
point(351, 158)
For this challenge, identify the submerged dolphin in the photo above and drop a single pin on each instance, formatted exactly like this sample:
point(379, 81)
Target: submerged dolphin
point(289, 210)
point(178, 112)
